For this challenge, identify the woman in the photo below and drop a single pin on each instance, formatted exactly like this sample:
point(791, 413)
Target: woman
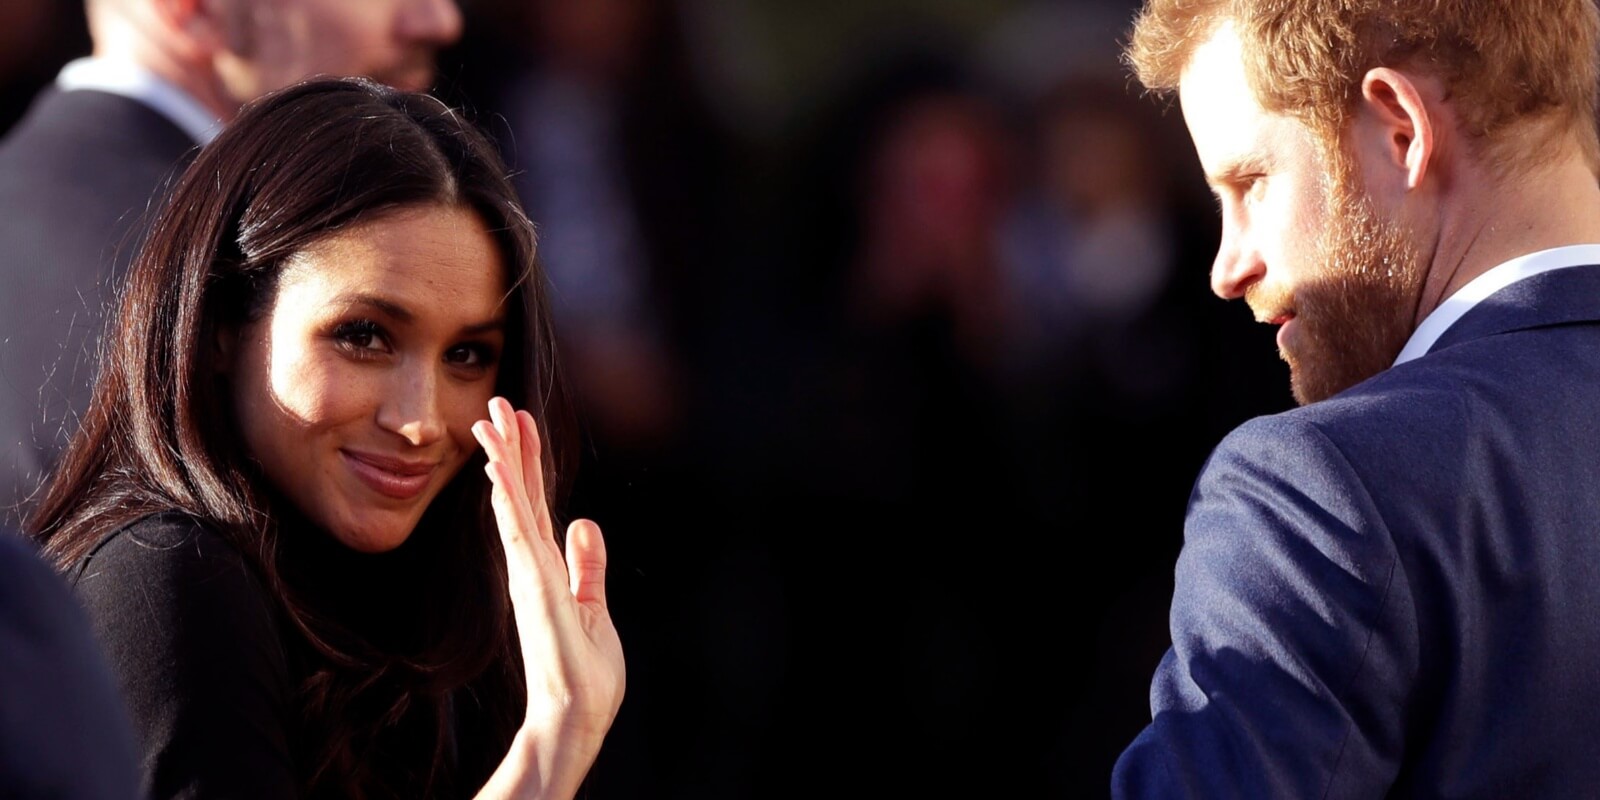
point(274, 510)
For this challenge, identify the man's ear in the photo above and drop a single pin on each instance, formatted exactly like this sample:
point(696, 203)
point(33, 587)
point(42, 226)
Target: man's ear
point(201, 27)
point(1392, 124)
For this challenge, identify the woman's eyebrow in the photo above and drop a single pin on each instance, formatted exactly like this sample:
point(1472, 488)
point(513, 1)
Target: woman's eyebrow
point(401, 314)
point(388, 307)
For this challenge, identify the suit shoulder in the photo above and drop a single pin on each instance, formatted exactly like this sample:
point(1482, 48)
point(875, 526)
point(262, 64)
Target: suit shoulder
point(60, 700)
point(34, 601)
point(1394, 411)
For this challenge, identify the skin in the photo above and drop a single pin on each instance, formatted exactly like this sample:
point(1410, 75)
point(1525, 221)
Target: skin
point(225, 53)
point(357, 390)
point(1347, 268)
point(1302, 243)
point(574, 659)
point(270, 45)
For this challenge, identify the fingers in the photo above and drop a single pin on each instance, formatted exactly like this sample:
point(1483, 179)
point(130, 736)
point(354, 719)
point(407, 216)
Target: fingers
point(511, 510)
point(505, 423)
point(510, 439)
point(586, 563)
point(533, 472)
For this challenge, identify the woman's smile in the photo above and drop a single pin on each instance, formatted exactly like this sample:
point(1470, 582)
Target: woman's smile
point(397, 478)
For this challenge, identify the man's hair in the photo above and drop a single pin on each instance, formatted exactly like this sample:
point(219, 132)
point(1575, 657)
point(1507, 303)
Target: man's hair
point(1502, 63)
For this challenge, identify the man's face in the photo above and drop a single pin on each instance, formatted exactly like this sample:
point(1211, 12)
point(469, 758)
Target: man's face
point(274, 44)
point(1302, 242)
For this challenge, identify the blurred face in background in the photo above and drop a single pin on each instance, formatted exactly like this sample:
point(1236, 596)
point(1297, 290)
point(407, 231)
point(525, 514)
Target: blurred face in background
point(356, 390)
point(598, 39)
point(1305, 246)
point(1096, 161)
point(936, 186)
point(274, 43)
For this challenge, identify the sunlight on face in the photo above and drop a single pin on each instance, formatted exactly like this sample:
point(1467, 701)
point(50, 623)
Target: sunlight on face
point(1301, 242)
point(357, 390)
point(1357, 309)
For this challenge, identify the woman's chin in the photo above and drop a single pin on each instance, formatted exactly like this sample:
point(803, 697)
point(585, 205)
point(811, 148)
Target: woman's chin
point(375, 531)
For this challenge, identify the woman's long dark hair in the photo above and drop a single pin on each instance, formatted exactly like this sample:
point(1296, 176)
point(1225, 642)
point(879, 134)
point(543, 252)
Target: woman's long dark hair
point(160, 435)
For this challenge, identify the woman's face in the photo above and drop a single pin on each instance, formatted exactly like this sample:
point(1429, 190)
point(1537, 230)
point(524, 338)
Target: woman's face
point(357, 390)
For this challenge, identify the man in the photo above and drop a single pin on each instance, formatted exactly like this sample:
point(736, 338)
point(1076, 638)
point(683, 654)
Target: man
point(79, 173)
point(64, 732)
point(1393, 590)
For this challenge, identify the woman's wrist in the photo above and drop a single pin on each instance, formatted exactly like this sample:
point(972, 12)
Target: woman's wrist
point(555, 758)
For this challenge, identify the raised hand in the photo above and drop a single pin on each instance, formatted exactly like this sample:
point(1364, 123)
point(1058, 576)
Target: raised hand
point(570, 649)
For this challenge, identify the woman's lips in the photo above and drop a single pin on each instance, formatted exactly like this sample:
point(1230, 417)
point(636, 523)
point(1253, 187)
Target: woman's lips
point(390, 477)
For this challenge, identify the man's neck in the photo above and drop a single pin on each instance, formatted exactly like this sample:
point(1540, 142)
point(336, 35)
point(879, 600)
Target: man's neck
point(1489, 221)
point(135, 33)
point(202, 85)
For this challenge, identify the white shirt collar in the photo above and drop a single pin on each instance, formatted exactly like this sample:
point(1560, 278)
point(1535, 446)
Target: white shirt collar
point(1458, 304)
point(127, 79)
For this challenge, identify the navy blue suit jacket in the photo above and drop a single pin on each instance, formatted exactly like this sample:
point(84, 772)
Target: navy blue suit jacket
point(1396, 592)
point(64, 732)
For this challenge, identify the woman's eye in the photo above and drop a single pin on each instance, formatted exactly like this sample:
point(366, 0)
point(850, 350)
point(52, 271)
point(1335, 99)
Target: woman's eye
point(362, 336)
point(469, 355)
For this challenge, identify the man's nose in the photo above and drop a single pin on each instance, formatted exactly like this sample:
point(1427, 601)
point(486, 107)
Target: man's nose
point(1238, 265)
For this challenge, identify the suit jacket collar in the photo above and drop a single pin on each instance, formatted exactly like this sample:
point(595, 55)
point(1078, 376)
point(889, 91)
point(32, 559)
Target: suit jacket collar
point(88, 118)
point(1559, 297)
point(129, 79)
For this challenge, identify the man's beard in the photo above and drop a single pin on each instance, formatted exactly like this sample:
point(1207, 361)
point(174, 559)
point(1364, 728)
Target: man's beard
point(1357, 308)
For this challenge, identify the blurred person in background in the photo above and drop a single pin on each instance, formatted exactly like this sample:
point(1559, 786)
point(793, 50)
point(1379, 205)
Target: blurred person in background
point(78, 173)
point(568, 113)
point(896, 447)
point(617, 155)
point(1091, 253)
point(64, 730)
point(1104, 379)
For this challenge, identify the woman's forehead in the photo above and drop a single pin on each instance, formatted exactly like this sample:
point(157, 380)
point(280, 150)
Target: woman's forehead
point(430, 259)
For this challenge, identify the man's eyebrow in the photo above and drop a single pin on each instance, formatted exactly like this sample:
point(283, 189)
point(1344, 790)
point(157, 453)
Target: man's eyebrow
point(1234, 169)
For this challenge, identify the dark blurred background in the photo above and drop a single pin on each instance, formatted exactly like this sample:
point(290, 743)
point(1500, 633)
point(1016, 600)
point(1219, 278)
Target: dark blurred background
point(890, 326)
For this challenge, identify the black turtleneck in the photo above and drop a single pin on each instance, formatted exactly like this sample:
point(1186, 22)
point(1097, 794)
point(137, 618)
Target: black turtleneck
point(196, 642)
point(212, 668)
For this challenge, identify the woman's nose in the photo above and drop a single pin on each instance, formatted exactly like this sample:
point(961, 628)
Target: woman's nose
point(412, 409)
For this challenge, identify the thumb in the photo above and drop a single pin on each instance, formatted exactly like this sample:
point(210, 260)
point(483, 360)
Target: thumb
point(586, 563)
